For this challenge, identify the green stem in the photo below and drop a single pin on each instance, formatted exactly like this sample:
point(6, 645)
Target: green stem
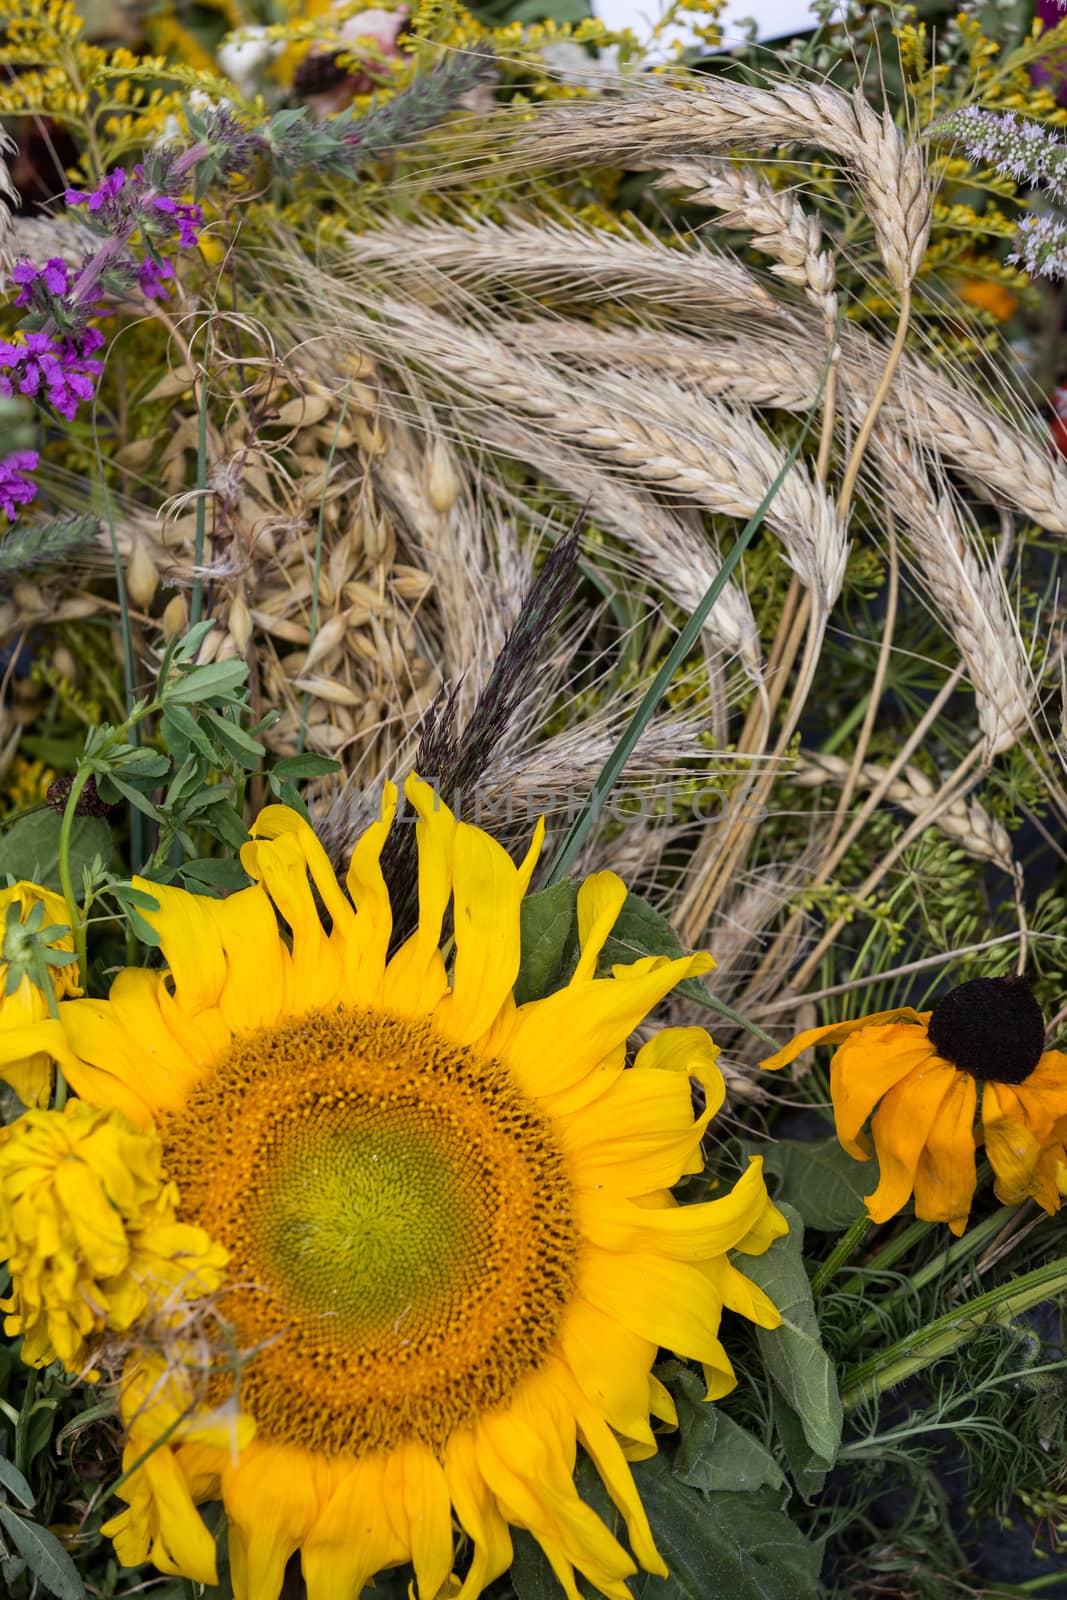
point(972, 1240)
point(74, 911)
point(196, 601)
point(940, 1337)
point(843, 1249)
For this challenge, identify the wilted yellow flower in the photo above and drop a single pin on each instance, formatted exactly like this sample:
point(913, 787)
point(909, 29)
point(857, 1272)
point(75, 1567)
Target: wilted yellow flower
point(27, 910)
point(88, 1230)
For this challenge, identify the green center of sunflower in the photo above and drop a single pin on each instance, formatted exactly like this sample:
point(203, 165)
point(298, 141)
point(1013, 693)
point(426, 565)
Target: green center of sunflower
point(991, 1028)
point(380, 1201)
point(399, 1220)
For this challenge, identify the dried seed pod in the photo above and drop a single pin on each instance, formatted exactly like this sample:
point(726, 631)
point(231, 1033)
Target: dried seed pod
point(240, 623)
point(443, 483)
point(175, 618)
point(142, 575)
point(64, 663)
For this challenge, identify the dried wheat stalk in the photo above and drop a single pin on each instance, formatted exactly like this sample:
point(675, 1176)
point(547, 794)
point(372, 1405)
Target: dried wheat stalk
point(717, 456)
point(665, 122)
point(966, 823)
point(675, 556)
point(968, 592)
point(8, 192)
point(579, 263)
point(780, 226)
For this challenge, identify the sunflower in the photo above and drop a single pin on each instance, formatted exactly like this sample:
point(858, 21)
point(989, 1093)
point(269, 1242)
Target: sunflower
point(452, 1247)
point(919, 1073)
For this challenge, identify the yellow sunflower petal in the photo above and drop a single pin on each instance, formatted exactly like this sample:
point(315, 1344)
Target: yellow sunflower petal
point(127, 1038)
point(611, 1366)
point(272, 1499)
point(181, 1528)
point(479, 1515)
point(900, 1128)
point(689, 1050)
point(667, 1302)
point(100, 1087)
point(191, 945)
point(254, 992)
point(415, 1482)
point(740, 1294)
point(835, 1032)
point(607, 1457)
point(945, 1175)
point(558, 1040)
point(488, 895)
point(415, 979)
point(639, 1135)
point(353, 1537)
point(681, 1233)
point(275, 821)
point(280, 864)
point(369, 945)
point(864, 1069)
point(600, 899)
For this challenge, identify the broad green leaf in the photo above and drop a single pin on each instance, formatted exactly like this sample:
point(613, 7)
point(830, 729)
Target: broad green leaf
point(33, 843)
point(306, 766)
point(12, 1480)
point(44, 1555)
point(240, 745)
point(793, 1354)
point(547, 922)
point(217, 680)
point(714, 1452)
point(716, 1546)
point(820, 1179)
point(135, 761)
point(215, 872)
point(182, 733)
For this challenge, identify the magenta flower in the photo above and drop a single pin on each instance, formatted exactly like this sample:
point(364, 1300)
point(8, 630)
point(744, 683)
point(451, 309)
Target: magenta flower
point(61, 371)
point(15, 490)
point(54, 275)
point(99, 196)
point(150, 276)
point(187, 218)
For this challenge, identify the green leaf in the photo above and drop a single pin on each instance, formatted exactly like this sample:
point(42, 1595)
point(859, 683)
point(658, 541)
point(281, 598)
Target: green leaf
point(823, 1182)
point(44, 1555)
point(181, 733)
point(306, 766)
point(139, 801)
point(547, 922)
point(217, 680)
point(714, 1452)
point(30, 847)
point(136, 761)
point(239, 744)
point(734, 1546)
point(215, 872)
point(12, 1480)
point(793, 1355)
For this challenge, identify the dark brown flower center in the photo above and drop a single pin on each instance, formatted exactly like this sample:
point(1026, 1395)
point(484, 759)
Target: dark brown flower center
point(991, 1028)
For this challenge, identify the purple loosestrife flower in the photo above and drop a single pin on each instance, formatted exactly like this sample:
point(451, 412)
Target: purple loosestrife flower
point(150, 276)
point(61, 371)
point(54, 276)
point(16, 490)
point(97, 198)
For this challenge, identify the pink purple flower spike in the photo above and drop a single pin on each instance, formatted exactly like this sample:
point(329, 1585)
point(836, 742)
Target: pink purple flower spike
point(15, 489)
point(54, 276)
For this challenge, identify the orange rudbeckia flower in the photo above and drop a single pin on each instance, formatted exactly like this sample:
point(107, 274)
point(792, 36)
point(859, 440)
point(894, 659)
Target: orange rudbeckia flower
point(917, 1075)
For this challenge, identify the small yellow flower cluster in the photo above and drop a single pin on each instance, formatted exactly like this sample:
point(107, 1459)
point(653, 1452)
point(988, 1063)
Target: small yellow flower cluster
point(87, 1225)
point(27, 784)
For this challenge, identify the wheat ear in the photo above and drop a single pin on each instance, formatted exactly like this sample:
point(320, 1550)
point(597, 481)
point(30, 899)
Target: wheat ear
point(646, 130)
point(966, 823)
point(779, 225)
point(969, 594)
